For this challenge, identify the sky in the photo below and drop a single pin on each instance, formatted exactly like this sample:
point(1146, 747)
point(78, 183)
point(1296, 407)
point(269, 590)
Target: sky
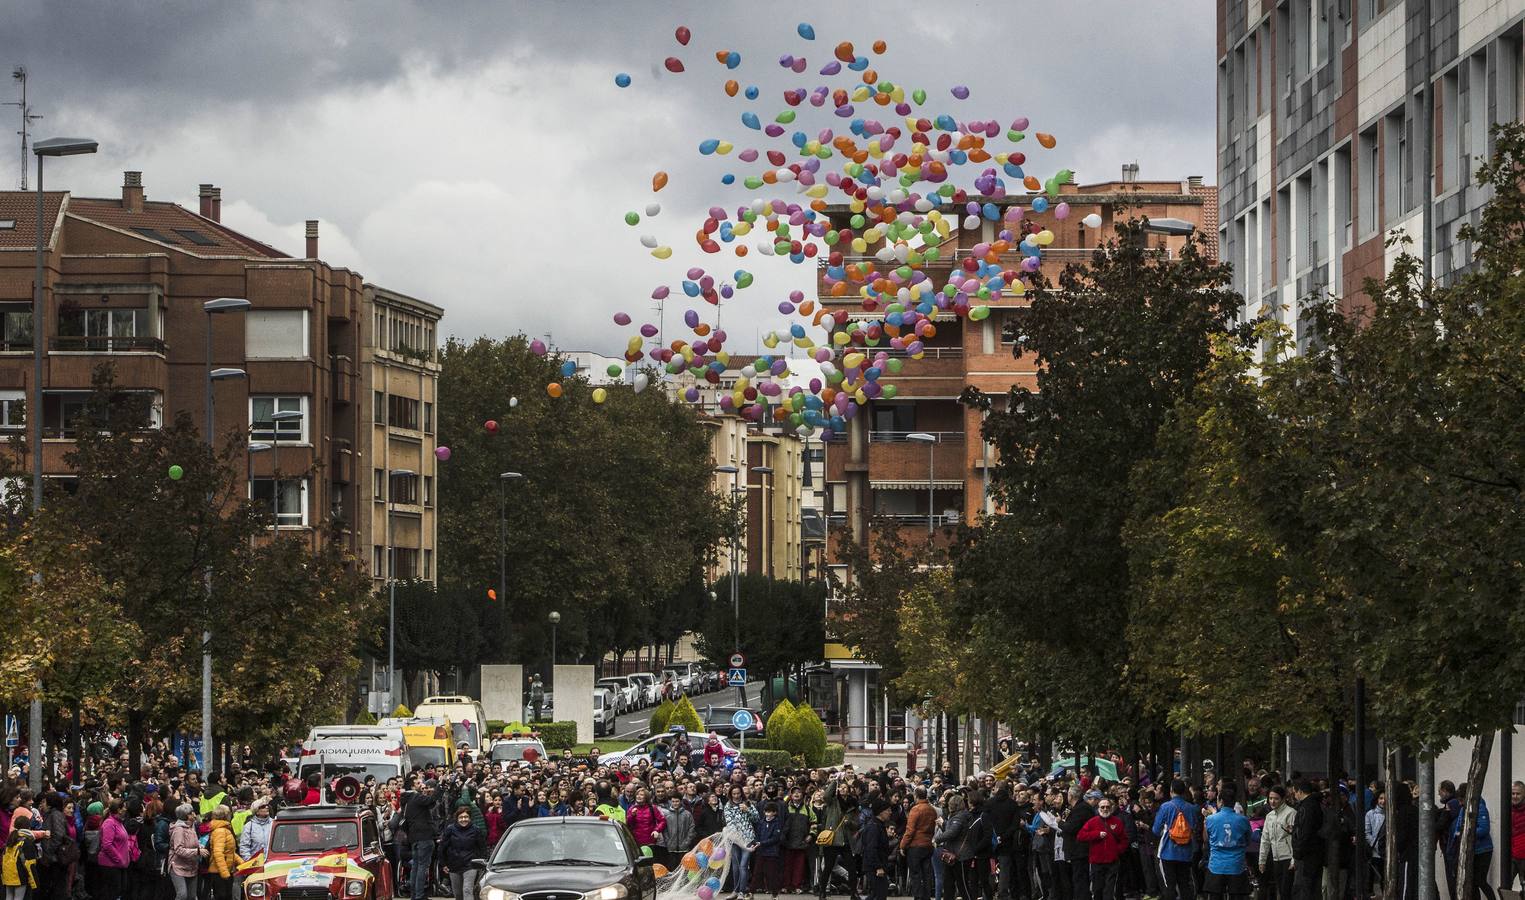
point(480, 156)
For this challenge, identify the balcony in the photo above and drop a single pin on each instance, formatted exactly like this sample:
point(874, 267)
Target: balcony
point(900, 437)
point(86, 343)
point(342, 466)
point(343, 369)
point(16, 346)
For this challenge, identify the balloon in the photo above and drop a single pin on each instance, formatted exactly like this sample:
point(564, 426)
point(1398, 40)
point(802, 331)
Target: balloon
point(614, 370)
point(690, 863)
point(553, 389)
point(682, 34)
point(653, 209)
point(537, 347)
point(621, 318)
point(513, 402)
point(641, 381)
point(706, 846)
point(719, 853)
point(632, 218)
point(569, 368)
point(658, 181)
point(442, 454)
point(844, 52)
point(704, 892)
point(659, 870)
point(176, 473)
point(1091, 221)
point(961, 92)
point(1047, 140)
point(622, 80)
point(673, 64)
point(880, 46)
point(805, 31)
point(600, 395)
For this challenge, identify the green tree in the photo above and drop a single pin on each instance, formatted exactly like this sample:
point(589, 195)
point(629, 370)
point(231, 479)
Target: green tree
point(812, 732)
point(661, 717)
point(867, 610)
point(684, 714)
point(781, 624)
point(783, 729)
point(1117, 345)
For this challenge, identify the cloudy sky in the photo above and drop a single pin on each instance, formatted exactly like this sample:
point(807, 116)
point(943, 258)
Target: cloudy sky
point(478, 155)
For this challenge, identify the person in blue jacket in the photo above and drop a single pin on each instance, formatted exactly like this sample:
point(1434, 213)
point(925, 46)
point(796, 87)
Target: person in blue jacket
point(1177, 824)
point(1228, 836)
point(1482, 845)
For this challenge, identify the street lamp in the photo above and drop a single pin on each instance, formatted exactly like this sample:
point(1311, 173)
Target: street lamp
point(921, 437)
point(212, 308)
point(503, 479)
point(50, 147)
point(735, 561)
point(555, 619)
point(391, 570)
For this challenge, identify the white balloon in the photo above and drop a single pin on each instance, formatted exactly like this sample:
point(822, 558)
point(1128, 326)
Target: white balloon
point(649, 240)
point(784, 175)
point(875, 192)
point(513, 402)
point(1092, 221)
point(641, 380)
point(971, 222)
point(765, 248)
point(653, 208)
point(923, 205)
point(884, 254)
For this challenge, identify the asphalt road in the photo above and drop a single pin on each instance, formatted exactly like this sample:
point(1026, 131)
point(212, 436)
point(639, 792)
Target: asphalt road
point(633, 726)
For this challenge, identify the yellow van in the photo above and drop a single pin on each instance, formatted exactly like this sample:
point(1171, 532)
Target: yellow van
point(430, 740)
point(466, 716)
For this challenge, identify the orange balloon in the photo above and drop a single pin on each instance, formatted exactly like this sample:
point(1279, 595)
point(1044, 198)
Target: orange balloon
point(1047, 140)
point(690, 863)
point(659, 870)
point(741, 249)
point(731, 87)
point(845, 51)
point(807, 307)
point(492, 594)
point(870, 76)
point(658, 181)
point(1031, 183)
point(702, 329)
point(879, 46)
point(720, 55)
point(553, 389)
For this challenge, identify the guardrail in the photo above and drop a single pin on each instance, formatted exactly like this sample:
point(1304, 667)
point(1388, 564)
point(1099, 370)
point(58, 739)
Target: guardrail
point(900, 437)
point(107, 344)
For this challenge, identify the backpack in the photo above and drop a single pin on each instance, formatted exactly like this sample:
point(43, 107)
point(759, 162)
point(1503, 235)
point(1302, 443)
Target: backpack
point(92, 846)
point(1180, 829)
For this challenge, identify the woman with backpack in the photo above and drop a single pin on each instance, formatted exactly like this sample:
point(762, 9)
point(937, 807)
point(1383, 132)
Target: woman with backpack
point(18, 864)
point(949, 841)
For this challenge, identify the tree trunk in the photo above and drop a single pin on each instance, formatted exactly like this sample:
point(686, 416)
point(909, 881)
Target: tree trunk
point(1466, 869)
point(952, 743)
point(1333, 762)
point(1390, 870)
point(135, 743)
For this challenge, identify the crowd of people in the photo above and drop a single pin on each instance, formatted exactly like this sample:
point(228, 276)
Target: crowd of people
point(1065, 835)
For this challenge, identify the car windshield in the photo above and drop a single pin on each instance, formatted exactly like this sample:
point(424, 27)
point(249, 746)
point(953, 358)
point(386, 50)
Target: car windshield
point(513, 751)
point(313, 837)
point(465, 733)
point(588, 842)
point(428, 756)
point(381, 771)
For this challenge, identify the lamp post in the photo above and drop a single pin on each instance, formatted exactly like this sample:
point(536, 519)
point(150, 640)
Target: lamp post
point(503, 479)
point(735, 565)
point(921, 437)
point(212, 308)
point(50, 147)
point(555, 619)
point(391, 564)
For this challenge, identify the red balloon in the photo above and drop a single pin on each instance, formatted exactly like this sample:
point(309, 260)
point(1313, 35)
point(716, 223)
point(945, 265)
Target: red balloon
point(674, 64)
point(683, 34)
point(491, 425)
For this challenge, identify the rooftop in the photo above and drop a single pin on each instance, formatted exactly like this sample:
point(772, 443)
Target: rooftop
point(171, 225)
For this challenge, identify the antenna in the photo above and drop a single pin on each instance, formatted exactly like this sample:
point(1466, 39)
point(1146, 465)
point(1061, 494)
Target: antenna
point(27, 118)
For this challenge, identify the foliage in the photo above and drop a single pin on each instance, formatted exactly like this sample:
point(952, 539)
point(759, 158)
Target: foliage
point(867, 609)
point(1116, 346)
point(684, 714)
point(402, 712)
point(939, 664)
point(554, 735)
point(365, 718)
point(832, 755)
point(760, 759)
point(609, 523)
point(438, 628)
point(661, 716)
point(812, 734)
point(783, 729)
point(781, 623)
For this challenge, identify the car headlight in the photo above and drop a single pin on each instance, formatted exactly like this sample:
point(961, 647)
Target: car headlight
point(493, 893)
point(354, 889)
point(254, 889)
point(612, 892)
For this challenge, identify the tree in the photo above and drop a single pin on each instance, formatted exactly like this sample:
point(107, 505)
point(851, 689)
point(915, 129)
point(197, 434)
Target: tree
point(939, 664)
point(661, 717)
point(609, 522)
point(813, 734)
point(781, 623)
point(867, 610)
point(783, 729)
point(684, 714)
point(1117, 345)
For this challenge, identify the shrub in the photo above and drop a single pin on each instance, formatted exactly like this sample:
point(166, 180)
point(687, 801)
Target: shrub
point(812, 733)
point(554, 735)
point(684, 714)
point(834, 755)
point(760, 759)
point(662, 716)
point(365, 718)
point(783, 729)
point(402, 712)
point(495, 727)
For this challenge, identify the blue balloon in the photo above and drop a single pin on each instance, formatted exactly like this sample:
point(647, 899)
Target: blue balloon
point(728, 178)
point(1040, 204)
point(691, 288)
point(799, 139)
point(750, 120)
point(806, 31)
point(858, 64)
point(622, 80)
point(732, 59)
point(708, 146)
point(568, 369)
point(751, 92)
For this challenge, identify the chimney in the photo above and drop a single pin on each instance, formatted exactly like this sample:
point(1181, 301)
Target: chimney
point(204, 193)
point(1130, 173)
point(312, 238)
point(216, 204)
point(1194, 181)
point(132, 191)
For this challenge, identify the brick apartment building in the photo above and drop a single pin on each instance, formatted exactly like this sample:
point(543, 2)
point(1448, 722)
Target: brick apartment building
point(1323, 135)
point(125, 280)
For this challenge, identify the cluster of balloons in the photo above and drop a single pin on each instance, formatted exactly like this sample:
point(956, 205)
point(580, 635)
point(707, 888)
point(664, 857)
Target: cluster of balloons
point(899, 190)
point(701, 872)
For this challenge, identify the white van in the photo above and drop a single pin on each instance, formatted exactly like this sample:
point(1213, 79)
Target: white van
point(466, 717)
point(363, 757)
point(388, 733)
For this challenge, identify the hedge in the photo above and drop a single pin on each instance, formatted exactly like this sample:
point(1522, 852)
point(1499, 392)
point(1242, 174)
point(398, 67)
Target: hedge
point(365, 718)
point(834, 755)
point(554, 735)
point(778, 759)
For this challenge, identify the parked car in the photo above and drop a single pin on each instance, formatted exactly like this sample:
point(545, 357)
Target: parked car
point(642, 750)
point(623, 691)
point(567, 857)
point(678, 679)
point(718, 720)
point(649, 686)
point(603, 712)
point(521, 750)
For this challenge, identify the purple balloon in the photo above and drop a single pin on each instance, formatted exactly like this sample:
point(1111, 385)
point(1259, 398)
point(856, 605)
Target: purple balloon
point(961, 92)
point(831, 68)
point(799, 65)
point(648, 330)
point(537, 347)
point(442, 453)
point(660, 293)
point(696, 272)
point(773, 130)
point(621, 318)
point(690, 318)
point(748, 155)
point(785, 308)
point(691, 395)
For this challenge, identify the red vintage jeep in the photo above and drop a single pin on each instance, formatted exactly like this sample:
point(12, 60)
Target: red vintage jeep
point(322, 853)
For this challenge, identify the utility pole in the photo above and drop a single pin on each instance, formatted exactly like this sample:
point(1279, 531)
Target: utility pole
point(27, 118)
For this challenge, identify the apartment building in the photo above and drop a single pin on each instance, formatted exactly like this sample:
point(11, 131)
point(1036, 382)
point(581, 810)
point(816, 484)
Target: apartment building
point(125, 280)
point(1343, 121)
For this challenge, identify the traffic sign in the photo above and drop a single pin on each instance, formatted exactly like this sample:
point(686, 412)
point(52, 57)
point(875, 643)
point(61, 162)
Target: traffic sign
point(12, 731)
point(736, 677)
point(738, 661)
point(742, 720)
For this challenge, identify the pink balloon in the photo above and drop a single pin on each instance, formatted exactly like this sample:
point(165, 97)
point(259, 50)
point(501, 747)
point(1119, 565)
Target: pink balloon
point(621, 318)
point(442, 453)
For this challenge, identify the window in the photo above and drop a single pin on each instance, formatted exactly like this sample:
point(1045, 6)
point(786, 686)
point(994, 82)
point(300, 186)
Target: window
point(7, 224)
point(379, 329)
point(428, 490)
point(286, 499)
point(1267, 270)
point(402, 412)
point(65, 412)
point(1393, 150)
point(1452, 99)
point(103, 329)
point(15, 326)
point(428, 564)
point(404, 489)
point(1284, 232)
point(378, 407)
point(12, 410)
point(378, 485)
point(1474, 134)
point(1014, 325)
point(428, 418)
point(1344, 230)
point(404, 563)
point(1366, 174)
point(1506, 101)
point(376, 558)
point(262, 427)
point(894, 417)
point(275, 334)
point(195, 237)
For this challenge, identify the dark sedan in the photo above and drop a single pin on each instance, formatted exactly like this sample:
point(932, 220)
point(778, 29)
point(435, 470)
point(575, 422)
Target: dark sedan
point(718, 720)
point(567, 859)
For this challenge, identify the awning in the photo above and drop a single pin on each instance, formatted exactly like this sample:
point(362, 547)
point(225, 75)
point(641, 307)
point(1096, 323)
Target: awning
point(940, 484)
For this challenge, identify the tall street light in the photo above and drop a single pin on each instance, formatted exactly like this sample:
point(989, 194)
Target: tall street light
point(391, 563)
point(503, 479)
point(50, 147)
point(212, 308)
point(921, 437)
point(735, 557)
point(765, 514)
point(555, 619)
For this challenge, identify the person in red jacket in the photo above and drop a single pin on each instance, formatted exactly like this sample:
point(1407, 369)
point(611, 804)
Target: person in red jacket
point(1108, 839)
point(1516, 835)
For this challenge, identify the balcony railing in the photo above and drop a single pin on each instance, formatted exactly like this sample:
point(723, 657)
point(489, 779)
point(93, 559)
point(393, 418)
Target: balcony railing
point(105, 344)
point(927, 353)
point(900, 437)
point(17, 346)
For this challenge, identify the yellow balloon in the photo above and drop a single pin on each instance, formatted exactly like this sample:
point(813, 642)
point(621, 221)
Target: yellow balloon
point(860, 245)
point(839, 338)
point(855, 205)
point(770, 341)
point(898, 94)
point(853, 360)
point(741, 228)
point(725, 147)
point(816, 191)
point(662, 252)
point(723, 357)
point(600, 395)
point(1044, 238)
point(860, 93)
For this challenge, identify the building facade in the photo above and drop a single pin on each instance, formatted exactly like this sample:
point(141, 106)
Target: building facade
point(1343, 121)
point(125, 279)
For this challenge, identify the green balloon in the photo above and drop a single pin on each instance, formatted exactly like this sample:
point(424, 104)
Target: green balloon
point(919, 96)
point(785, 117)
point(744, 280)
point(632, 217)
point(614, 370)
point(176, 473)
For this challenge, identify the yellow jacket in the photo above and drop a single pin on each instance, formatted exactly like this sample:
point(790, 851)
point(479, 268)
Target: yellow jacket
point(224, 859)
point(15, 869)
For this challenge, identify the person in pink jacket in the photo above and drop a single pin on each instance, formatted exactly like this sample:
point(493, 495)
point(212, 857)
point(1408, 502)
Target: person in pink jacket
point(185, 853)
point(116, 853)
point(645, 821)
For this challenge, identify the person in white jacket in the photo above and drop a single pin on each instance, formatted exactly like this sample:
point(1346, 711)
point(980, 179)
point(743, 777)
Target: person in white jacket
point(255, 838)
point(1276, 845)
